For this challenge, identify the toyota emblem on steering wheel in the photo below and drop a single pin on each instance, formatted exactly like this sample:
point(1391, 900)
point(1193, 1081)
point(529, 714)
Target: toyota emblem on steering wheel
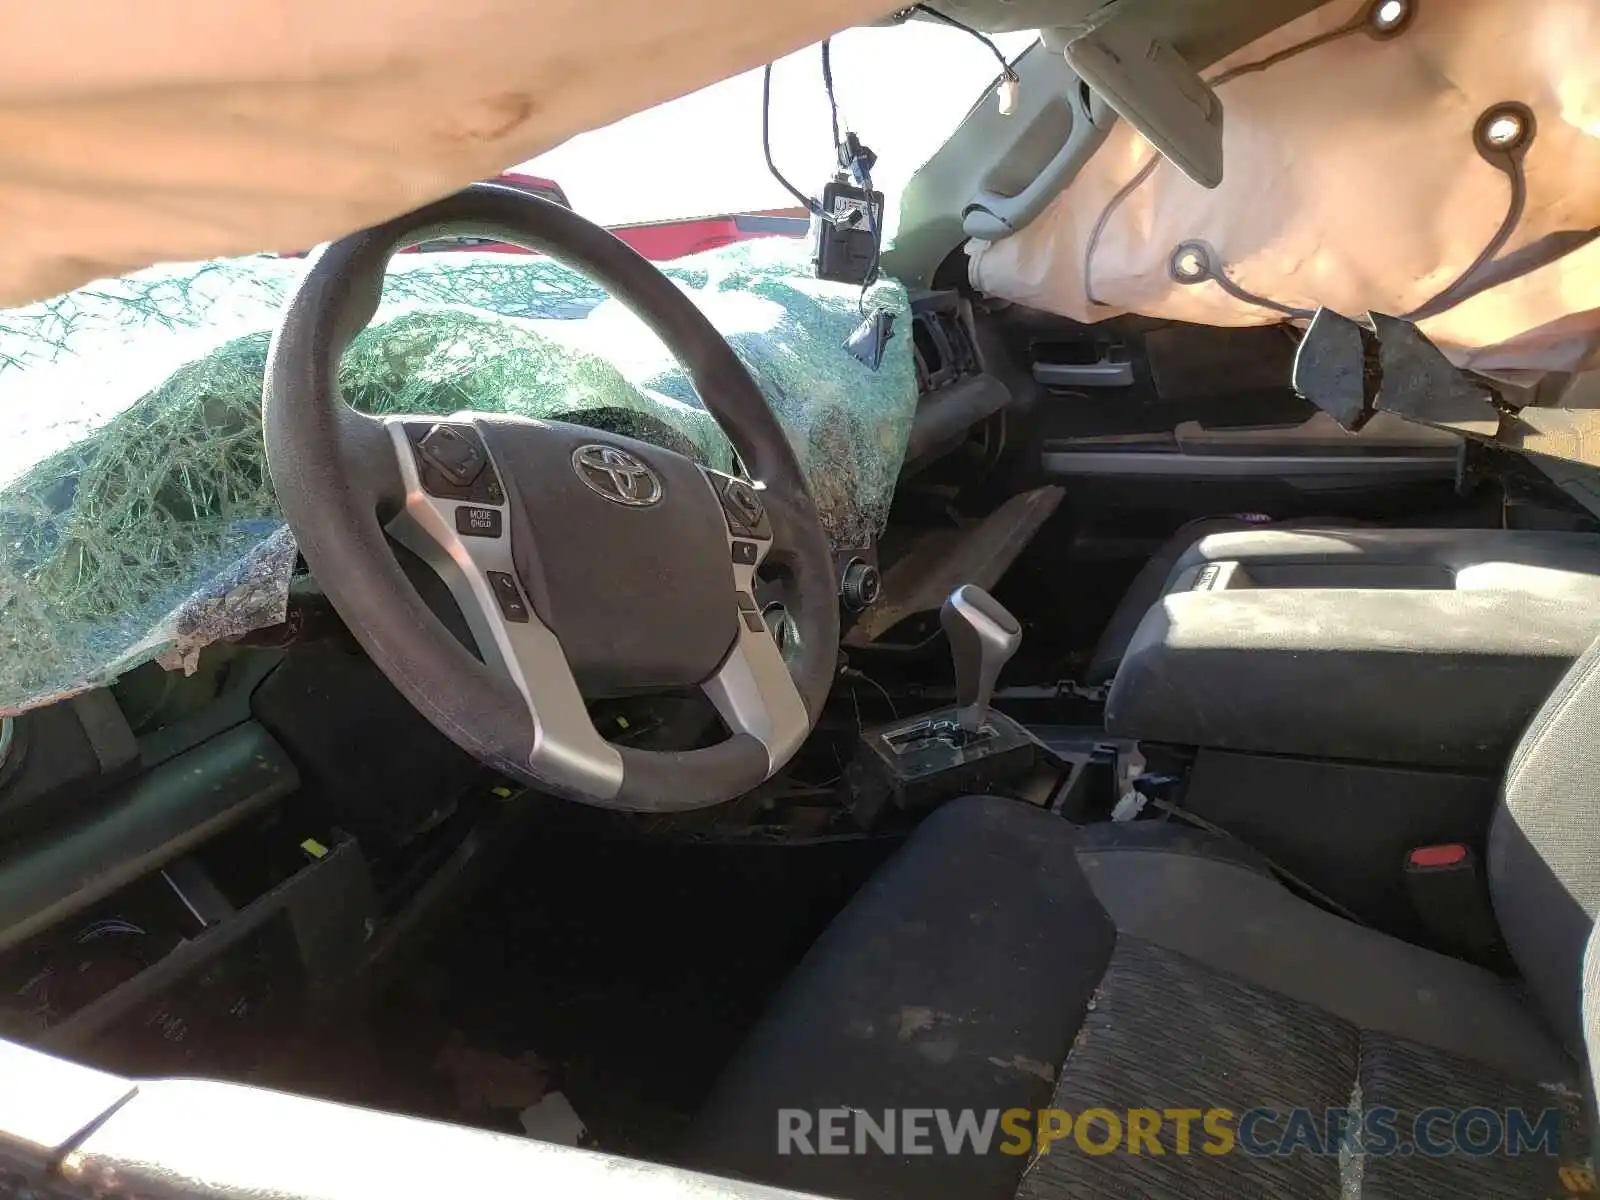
point(617, 475)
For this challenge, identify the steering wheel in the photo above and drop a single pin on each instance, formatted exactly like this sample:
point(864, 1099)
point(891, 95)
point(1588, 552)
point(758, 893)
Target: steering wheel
point(584, 562)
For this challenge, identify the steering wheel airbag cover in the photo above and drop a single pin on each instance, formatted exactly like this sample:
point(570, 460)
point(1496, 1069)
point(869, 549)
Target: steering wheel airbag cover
point(650, 610)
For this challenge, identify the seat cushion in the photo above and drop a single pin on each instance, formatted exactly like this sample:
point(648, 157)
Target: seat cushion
point(1005, 959)
point(1168, 1033)
point(956, 978)
point(1246, 924)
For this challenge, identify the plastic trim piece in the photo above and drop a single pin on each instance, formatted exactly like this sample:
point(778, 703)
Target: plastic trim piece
point(1223, 466)
point(155, 819)
point(992, 216)
point(1105, 373)
point(753, 690)
point(567, 748)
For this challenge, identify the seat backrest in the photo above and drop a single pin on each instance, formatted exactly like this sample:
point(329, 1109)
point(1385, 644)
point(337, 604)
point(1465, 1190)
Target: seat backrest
point(1544, 849)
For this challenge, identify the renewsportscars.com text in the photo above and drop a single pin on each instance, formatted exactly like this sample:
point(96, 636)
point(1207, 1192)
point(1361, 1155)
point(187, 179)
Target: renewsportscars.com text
point(1377, 1131)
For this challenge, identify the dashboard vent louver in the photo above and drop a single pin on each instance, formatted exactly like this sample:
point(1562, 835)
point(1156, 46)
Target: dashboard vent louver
point(943, 349)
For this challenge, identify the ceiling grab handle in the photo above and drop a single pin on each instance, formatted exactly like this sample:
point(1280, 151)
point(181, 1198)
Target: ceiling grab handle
point(991, 216)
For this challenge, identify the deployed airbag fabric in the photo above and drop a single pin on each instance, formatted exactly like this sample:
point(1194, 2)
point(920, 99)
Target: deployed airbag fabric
point(172, 131)
point(137, 518)
point(1358, 175)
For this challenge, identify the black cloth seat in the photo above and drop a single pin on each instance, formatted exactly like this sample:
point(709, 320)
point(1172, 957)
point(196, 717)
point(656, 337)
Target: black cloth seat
point(1005, 959)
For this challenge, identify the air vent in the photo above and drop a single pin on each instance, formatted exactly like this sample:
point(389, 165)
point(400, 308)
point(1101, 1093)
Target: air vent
point(943, 348)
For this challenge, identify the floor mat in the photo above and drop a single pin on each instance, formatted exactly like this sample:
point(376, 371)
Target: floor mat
point(620, 974)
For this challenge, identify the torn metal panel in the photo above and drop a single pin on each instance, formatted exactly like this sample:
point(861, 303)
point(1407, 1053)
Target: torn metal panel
point(1419, 382)
point(1330, 369)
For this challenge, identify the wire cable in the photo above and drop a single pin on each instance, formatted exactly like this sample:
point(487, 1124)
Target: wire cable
point(811, 205)
point(854, 675)
point(833, 103)
point(1005, 67)
point(877, 245)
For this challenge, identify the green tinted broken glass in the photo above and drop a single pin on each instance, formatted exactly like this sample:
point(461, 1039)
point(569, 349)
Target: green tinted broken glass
point(137, 518)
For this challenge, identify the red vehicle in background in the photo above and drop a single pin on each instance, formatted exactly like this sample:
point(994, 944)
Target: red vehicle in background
point(656, 240)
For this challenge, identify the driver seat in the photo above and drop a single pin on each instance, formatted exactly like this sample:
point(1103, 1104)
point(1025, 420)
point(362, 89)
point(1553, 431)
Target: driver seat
point(1007, 959)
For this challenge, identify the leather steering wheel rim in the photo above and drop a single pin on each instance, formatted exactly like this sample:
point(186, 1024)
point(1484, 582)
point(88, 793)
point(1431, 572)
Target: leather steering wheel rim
point(344, 480)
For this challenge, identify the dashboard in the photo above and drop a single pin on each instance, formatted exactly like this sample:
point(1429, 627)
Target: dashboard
point(185, 878)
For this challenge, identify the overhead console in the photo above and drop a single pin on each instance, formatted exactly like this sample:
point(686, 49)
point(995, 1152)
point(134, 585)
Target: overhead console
point(1425, 647)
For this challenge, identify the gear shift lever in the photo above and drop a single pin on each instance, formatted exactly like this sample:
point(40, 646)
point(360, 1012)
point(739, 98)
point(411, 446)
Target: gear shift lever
point(983, 637)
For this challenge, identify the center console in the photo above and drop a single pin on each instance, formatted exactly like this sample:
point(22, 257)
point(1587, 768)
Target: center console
point(1341, 699)
point(1428, 647)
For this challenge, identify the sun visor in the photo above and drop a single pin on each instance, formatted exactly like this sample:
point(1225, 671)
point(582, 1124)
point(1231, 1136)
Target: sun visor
point(1437, 161)
point(1155, 91)
point(171, 131)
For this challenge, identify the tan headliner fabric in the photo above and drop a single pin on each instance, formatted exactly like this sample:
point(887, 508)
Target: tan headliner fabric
point(1352, 181)
point(172, 130)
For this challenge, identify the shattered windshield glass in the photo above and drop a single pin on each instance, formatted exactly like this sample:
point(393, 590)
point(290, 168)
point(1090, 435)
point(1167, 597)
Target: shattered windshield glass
point(137, 518)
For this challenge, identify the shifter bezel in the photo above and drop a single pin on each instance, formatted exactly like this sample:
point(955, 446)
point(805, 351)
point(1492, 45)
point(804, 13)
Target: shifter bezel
point(916, 763)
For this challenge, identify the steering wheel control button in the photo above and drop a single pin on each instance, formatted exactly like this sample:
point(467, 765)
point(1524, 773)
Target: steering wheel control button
point(472, 521)
point(448, 454)
point(745, 553)
point(512, 606)
point(453, 455)
point(746, 516)
point(753, 622)
point(744, 501)
point(747, 603)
